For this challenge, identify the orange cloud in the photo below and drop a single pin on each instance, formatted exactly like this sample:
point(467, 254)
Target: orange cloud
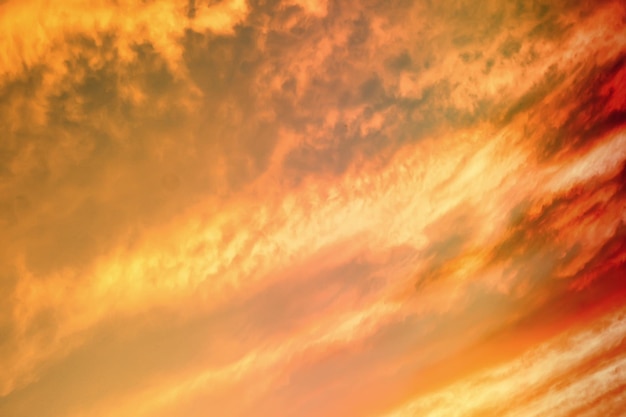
point(241, 207)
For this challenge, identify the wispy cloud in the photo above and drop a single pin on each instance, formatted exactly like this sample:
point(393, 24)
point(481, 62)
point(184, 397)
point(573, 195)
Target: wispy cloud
point(240, 206)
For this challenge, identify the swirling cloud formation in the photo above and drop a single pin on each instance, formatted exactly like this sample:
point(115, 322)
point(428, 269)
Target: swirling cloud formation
point(312, 208)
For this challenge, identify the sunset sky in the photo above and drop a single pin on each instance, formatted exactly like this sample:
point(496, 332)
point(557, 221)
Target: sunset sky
point(310, 208)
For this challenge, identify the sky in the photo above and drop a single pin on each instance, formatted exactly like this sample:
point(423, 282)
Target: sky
point(312, 208)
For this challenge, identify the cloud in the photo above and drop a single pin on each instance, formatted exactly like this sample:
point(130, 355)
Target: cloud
point(493, 390)
point(228, 190)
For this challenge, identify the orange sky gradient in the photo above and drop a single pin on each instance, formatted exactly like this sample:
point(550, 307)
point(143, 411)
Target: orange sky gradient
point(312, 208)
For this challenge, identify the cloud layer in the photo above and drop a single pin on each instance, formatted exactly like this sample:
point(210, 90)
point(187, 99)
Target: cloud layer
point(312, 207)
